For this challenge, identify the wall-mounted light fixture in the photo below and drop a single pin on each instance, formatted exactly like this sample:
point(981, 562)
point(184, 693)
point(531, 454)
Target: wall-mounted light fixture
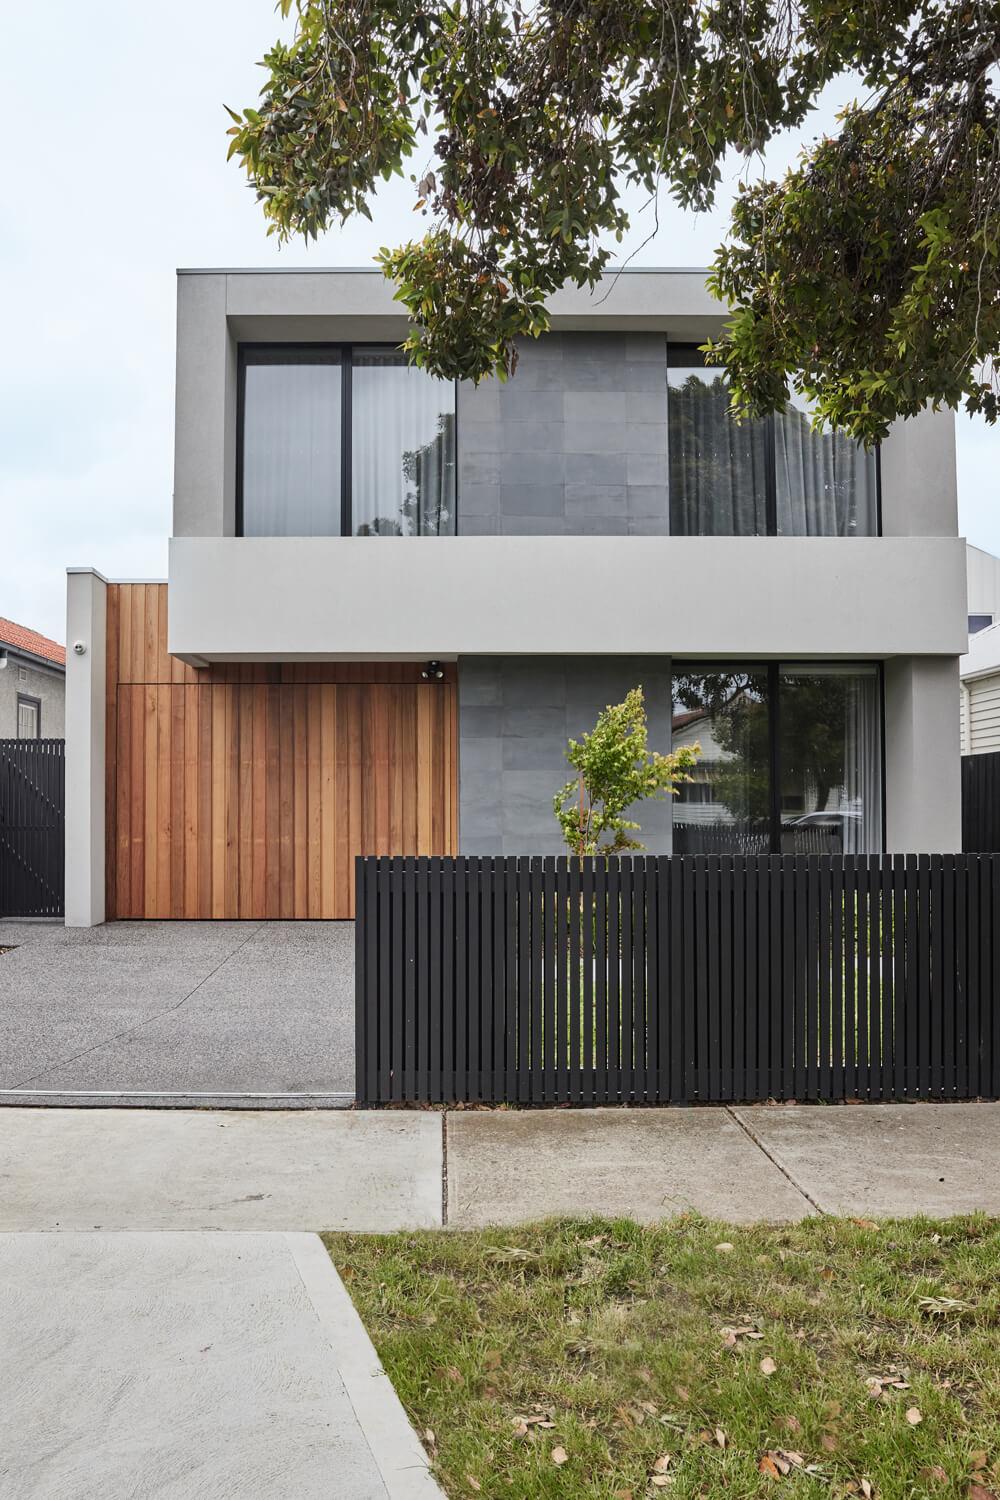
point(433, 672)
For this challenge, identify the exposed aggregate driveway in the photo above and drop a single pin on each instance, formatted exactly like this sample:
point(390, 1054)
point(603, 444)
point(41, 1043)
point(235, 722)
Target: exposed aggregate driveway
point(177, 1008)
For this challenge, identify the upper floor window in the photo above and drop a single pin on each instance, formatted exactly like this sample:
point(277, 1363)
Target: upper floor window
point(336, 440)
point(774, 477)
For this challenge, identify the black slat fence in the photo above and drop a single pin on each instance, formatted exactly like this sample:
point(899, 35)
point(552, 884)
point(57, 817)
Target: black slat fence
point(32, 857)
point(981, 803)
point(695, 979)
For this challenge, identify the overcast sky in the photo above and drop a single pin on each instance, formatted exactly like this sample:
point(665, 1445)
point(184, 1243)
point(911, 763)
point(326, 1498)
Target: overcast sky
point(114, 174)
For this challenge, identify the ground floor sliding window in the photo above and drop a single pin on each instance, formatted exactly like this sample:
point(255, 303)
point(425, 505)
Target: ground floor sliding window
point(790, 758)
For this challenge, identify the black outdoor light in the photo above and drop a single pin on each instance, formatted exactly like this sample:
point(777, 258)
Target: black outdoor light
point(433, 672)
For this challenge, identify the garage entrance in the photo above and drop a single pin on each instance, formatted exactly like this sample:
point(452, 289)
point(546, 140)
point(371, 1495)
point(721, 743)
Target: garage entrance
point(246, 790)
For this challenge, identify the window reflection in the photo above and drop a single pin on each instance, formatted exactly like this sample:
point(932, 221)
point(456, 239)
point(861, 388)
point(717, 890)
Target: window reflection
point(725, 809)
point(402, 448)
point(791, 759)
point(775, 476)
point(716, 465)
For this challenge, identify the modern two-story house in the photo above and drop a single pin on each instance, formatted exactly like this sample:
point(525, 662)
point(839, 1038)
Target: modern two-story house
point(392, 599)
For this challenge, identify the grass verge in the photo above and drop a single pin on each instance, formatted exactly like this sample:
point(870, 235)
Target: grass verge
point(605, 1359)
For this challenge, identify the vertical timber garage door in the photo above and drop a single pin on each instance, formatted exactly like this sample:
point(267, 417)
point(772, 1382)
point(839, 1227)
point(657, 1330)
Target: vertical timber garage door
point(245, 791)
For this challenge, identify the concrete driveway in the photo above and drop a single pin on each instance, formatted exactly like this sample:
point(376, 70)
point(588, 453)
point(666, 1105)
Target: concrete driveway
point(177, 1010)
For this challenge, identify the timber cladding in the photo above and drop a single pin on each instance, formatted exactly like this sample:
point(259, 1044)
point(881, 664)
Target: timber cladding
point(246, 790)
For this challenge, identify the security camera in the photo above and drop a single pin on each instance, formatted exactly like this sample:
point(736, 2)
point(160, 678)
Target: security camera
point(79, 647)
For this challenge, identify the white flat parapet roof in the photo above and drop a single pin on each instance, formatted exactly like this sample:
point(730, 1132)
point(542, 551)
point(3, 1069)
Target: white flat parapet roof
point(357, 598)
point(316, 302)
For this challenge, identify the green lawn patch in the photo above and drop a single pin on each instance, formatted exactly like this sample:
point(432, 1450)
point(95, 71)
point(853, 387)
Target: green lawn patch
point(604, 1359)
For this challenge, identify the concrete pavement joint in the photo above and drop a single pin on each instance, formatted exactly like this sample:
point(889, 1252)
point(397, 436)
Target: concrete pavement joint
point(444, 1169)
point(173, 1099)
point(751, 1136)
point(134, 1030)
point(392, 1442)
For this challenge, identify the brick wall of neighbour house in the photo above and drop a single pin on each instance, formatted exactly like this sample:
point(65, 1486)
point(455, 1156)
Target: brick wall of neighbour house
point(49, 687)
point(515, 717)
point(575, 443)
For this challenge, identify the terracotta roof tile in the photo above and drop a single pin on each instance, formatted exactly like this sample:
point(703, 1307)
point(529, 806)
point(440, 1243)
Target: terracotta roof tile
point(20, 638)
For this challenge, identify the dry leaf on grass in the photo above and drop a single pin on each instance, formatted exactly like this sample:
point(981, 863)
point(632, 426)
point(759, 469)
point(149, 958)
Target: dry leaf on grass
point(492, 1360)
point(978, 1459)
point(935, 1472)
point(724, 1247)
point(559, 1456)
point(767, 1365)
point(828, 1442)
point(731, 1336)
point(662, 1464)
point(866, 1224)
point(720, 1437)
point(472, 1482)
point(940, 1307)
point(914, 1416)
point(980, 1492)
point(773, 1465)
point(511, 1253)
point(790, 1424)
point(429, 1437)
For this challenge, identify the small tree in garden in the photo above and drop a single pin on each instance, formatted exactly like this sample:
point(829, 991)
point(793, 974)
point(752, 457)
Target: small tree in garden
point(615, 769)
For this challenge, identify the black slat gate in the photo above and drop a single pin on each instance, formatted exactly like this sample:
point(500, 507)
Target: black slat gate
point(32, 860)
point(695, 979)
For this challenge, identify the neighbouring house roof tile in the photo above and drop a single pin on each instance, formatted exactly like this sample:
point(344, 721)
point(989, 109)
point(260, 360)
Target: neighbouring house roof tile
point(20, 638)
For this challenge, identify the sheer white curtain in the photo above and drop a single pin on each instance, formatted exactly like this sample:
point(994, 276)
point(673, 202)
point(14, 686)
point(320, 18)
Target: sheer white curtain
point(717, 466)
point(402, 448)
point(825, 483)
point(291, 445)
point(863, 764)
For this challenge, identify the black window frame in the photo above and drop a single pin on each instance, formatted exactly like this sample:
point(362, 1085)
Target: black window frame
point(682, 356)
point(345, 353)
point(773, 670)
point(36, 704)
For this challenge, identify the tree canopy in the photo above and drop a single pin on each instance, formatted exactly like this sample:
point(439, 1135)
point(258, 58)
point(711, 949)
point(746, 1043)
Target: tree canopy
point(868, 277)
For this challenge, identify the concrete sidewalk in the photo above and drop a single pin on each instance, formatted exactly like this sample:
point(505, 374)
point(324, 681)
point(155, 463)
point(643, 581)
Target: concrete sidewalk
point(301, 1170)
point(181, 1365)
point(767, 1163)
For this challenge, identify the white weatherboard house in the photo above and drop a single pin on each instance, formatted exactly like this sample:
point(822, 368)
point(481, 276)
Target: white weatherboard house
point(392, 599)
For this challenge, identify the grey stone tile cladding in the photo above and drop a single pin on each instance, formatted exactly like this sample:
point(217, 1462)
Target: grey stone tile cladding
point(574, 444)
point(516, 714)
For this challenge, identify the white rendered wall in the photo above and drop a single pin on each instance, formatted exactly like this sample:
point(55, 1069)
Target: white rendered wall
point(923, 769)
point(358, 598)
point(86, 623)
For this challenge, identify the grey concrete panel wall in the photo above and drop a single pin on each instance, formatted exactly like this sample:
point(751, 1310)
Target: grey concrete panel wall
point(923, 768)
point(575, 443)
point(48, 687)
point(515, 717)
